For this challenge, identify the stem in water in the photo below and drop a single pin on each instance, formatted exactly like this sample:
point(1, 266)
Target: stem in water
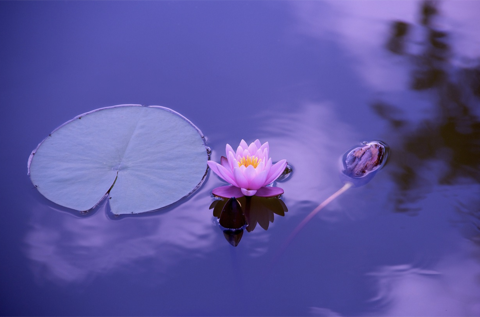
point(311, 215)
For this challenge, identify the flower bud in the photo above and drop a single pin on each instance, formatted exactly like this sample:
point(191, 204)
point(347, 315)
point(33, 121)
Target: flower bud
point(359, 165)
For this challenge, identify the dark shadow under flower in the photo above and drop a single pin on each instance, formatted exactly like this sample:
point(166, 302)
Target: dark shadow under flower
point(235, 215)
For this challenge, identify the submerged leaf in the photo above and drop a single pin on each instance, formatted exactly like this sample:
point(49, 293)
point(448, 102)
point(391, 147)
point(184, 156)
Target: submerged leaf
point(145, 158)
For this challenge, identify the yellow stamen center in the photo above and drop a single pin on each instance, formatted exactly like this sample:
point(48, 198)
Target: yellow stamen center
point(249, 160)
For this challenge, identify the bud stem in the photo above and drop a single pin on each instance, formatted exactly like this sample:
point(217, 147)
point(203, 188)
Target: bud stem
point(310, 216)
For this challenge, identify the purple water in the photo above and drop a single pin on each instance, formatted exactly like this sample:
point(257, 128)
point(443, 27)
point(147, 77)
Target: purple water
point(314, 79)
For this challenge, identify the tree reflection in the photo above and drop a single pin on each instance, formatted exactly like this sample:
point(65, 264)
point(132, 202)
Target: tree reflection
point(235, 215)
point(451, 134)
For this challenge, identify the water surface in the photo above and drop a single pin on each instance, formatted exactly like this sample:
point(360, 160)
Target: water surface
point(311, 78)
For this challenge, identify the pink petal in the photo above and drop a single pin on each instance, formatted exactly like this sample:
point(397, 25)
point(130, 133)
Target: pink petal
point(258, 181)
point(222, 172)
point(259, 154)
point(248, 192)
point(276, 171)
point(252, 148)
point(228, 149)
point(263, 148)
point(263, 155)
point(224, 162)
point(250, 175)
point(219, 170)
point(240, 178)
point(269, 192)
point(214, 167)
point(257, 143)
point(232, 161)
point(268, 165)
point(260, 166)
point(227, 175)
point(244, 144)
point(227, 192)
point(239, 152)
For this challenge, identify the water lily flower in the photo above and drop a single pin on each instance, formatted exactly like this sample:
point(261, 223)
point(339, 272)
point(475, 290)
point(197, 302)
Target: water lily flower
point(249, 170)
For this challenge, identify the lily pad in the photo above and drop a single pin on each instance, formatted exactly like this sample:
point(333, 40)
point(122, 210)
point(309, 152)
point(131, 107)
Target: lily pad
point(144, 158)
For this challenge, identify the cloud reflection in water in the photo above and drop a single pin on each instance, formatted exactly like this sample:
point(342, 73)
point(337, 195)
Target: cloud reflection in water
point(360, 27)
point(447, 290)
point(64, 248)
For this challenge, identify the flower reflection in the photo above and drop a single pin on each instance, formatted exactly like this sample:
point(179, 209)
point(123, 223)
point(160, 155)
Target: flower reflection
point(235, 215)
point(232, 220)
point(249, 170)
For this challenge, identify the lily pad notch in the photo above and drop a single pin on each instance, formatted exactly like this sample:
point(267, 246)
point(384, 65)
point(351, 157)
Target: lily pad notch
point(143, 157)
